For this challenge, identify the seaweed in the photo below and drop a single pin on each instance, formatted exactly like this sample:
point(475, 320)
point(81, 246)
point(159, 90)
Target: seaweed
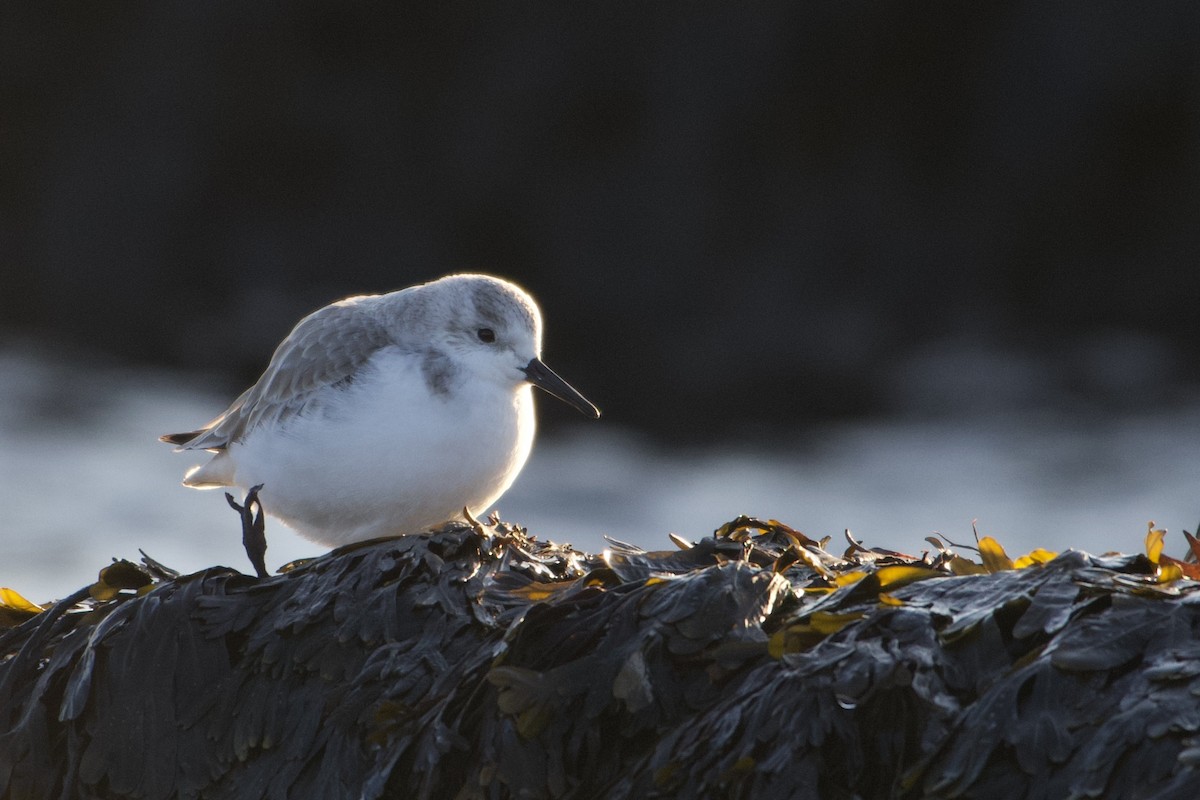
point(477, 661)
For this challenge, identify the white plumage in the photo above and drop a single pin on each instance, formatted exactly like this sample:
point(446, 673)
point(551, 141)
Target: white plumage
point(388, 414)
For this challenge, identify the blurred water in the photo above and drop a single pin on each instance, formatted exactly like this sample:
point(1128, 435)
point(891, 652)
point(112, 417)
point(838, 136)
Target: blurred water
point(83, 479)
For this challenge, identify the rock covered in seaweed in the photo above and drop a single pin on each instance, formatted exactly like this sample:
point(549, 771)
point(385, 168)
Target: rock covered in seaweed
point(484, 663)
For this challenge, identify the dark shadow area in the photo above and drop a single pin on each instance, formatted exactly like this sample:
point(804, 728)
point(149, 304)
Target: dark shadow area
point(733, 219)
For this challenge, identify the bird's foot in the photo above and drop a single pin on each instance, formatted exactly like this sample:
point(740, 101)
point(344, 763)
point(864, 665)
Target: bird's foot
point(254, 537)
point(474, 523)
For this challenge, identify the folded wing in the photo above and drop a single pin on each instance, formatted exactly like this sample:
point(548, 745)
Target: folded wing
point(324, 348)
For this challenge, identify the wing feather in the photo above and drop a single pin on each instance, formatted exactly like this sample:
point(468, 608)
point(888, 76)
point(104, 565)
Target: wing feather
point(324, 348)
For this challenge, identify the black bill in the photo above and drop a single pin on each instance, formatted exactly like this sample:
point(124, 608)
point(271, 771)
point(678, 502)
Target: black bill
point(547, 379)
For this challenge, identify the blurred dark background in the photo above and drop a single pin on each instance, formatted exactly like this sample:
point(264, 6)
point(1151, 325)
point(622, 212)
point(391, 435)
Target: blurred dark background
point(734, 219)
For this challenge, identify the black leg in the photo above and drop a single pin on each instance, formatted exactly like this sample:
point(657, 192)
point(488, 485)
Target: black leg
point(254, 537)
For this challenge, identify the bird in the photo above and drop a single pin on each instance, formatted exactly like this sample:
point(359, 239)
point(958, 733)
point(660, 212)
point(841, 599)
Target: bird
point(383, 415)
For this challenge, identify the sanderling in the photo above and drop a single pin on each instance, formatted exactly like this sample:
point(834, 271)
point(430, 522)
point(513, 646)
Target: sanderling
point(388, 414)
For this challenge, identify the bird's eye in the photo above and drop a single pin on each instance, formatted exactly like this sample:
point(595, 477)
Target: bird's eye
point(486, 335)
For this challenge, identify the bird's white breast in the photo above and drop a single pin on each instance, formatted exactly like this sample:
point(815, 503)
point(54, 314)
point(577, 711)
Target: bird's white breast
point(388, 455)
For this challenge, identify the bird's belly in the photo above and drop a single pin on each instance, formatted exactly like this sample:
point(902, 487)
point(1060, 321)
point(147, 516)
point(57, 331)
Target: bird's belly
point(369, 470)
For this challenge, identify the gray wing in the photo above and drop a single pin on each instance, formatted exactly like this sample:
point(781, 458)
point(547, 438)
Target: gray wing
point(324, 348)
